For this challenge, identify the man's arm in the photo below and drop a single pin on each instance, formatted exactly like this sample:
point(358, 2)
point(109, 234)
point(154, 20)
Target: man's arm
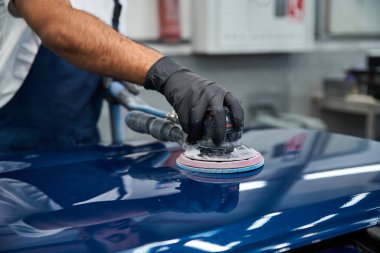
point(85, 41)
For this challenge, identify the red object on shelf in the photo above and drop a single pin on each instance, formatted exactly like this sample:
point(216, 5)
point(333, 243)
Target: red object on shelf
point(296, 9)
point(170, 31)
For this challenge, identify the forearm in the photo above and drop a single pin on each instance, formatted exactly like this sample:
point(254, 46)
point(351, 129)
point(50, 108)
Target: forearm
point(88, 43)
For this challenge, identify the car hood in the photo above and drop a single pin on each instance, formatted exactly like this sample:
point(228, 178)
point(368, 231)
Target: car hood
point(313, 186)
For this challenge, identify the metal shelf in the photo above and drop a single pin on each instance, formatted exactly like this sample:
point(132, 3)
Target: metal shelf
point(346, 45)
point(172, 49)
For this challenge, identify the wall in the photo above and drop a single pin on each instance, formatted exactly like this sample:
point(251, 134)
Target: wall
point(306, 71)
point(140, 20)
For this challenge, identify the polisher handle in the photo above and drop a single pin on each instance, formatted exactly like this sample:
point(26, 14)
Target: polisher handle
point(161, 129)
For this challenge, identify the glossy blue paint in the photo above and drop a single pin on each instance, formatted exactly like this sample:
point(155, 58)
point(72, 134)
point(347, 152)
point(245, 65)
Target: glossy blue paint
point(313, 186)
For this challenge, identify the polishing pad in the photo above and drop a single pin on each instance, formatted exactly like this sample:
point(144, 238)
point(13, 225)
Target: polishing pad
point(221, 178)
point(240, 159)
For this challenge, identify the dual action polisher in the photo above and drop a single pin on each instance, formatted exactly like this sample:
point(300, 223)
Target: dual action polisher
point(204, 156)
point(230, 157)
point(201, 157)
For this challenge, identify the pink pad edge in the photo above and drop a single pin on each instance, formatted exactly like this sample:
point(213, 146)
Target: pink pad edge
point(257, 159)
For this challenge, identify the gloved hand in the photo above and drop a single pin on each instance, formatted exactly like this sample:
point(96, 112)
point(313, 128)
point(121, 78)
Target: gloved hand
point(192, 96)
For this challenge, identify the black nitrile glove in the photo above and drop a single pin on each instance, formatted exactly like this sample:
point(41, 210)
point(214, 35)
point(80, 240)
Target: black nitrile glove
point(192, 96)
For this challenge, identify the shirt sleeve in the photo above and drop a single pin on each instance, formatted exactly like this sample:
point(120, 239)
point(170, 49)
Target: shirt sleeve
point(12, 8)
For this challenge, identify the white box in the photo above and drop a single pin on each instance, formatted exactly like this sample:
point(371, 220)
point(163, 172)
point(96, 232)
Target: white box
point(252, 26)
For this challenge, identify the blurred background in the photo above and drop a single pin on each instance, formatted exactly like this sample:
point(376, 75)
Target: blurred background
point(293, 63)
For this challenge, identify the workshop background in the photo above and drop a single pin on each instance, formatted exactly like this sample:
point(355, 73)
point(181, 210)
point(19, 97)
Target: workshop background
point(292, 63)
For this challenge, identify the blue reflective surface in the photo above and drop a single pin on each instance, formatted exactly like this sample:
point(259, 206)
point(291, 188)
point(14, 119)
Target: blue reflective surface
point(313, 186)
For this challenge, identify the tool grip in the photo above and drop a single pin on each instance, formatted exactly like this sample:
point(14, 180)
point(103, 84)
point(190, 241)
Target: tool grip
point(161, 129)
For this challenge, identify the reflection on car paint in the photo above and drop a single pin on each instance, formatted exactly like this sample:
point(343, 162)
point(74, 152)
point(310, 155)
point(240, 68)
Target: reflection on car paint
point(109, 199)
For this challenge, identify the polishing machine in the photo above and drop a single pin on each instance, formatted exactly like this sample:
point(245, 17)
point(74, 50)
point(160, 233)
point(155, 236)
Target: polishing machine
point(204, 156)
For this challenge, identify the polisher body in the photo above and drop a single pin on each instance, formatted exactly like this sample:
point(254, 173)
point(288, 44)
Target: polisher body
point(230, 157)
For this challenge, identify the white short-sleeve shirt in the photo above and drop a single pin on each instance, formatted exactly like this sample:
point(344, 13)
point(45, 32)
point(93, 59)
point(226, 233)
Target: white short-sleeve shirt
point(19, 44)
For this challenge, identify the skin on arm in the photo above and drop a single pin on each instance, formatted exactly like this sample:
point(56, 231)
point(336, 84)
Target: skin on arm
point(85, 41)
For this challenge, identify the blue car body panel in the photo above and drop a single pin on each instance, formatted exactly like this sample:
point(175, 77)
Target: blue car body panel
point(313, 186)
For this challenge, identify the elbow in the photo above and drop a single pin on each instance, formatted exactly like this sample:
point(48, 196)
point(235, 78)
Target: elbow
point(52, 36)
point(47, 19)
